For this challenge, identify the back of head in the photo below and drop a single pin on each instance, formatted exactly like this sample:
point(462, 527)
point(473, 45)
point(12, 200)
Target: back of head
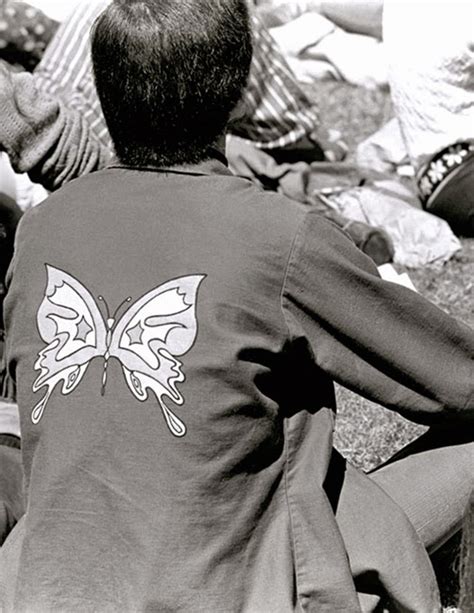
point(168, 74)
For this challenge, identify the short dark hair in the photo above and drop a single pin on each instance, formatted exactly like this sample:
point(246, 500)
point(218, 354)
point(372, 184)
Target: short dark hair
point(168, 74)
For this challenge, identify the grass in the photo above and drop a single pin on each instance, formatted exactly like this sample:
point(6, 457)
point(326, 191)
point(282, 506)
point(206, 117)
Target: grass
point(366, 433)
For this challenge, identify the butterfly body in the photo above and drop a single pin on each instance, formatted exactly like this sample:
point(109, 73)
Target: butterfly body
point(145, 340)
point(110, 324)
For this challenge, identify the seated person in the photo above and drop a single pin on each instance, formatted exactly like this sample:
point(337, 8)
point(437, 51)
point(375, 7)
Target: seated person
point(174, 333)
point(432, 85)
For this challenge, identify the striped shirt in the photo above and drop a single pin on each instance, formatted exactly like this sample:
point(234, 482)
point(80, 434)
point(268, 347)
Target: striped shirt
point(277, 113)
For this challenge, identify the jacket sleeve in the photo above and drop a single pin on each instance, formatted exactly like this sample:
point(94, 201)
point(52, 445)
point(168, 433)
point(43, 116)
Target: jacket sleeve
point(42, 136)
point(379, 339)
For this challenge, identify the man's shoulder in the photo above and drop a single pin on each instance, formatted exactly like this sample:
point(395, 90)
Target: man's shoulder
point(229, 202)
point(61, 204)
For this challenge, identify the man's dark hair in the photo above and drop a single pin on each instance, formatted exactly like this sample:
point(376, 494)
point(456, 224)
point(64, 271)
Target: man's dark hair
point(168, 74)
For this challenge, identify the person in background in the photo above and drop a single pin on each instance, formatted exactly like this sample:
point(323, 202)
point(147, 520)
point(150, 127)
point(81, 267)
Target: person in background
point(359, 16)
point(12, 501)
point(174, 333)
point(432, 87)
point(431, 80)
point(25, 32)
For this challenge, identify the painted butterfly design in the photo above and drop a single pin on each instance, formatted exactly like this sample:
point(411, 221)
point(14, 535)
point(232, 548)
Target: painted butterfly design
point(145, 340)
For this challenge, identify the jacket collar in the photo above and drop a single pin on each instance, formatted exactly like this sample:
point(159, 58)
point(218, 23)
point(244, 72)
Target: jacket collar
point(216, 164)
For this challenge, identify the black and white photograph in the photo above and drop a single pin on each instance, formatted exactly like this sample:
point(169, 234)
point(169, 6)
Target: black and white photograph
point(237, 306)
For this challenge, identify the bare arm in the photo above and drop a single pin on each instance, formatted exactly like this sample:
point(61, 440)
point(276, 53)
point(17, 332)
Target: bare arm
point(359, 16)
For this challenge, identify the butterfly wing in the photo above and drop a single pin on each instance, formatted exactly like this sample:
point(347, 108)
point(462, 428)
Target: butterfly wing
point(74, 331)
point(150, 335)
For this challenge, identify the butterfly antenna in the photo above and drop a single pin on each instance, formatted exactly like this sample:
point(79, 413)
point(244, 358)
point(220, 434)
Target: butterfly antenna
point(121, 305)
point(104, 302)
